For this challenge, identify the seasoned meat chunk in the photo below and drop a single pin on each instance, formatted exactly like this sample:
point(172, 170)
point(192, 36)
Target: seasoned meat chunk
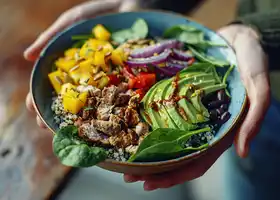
point(120, 111)
point(124, 139)
point(78, 122)
point(91, 102)
point(107, 127)
point(103, 112)
point(131, 149)
point(88, 132)
point(142, 129)
point(122, 87)
point(118, 120)
point(122, 99)
point(131, 117)
point(134, 101)
point(109, 94)
point(87, 113)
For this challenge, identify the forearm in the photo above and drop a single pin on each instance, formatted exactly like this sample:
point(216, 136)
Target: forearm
point(268, 27)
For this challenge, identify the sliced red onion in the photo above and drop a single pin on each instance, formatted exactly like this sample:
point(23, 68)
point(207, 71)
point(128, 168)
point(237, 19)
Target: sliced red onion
point(178, 62)
point(155, 60)
point(170, 69)
point(180, 55)
point(157, 48)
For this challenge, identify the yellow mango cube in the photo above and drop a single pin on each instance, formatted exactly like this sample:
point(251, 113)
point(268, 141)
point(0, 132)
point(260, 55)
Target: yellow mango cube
point(74, 104)
point(101, 33)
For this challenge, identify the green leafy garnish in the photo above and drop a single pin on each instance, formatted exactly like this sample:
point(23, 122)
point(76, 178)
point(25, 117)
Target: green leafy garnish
point(189, 35)
point(139, 30)
point(166, 143)
point(226, 77)
point(88, 108)
point(201, 55)
point(78, 44)
point(72, 151)
point(82, 37)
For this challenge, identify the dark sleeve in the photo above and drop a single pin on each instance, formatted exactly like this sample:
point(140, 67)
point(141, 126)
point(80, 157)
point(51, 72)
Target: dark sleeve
point(268, 27)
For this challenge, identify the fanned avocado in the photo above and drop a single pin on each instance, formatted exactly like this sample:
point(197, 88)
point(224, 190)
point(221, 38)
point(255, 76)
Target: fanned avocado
point(145, 113)
point(173, 110)
point(176, 102)
point(164, 116)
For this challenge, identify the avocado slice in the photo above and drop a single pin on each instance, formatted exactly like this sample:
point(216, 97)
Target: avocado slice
point(146, 111)
point(162, 111)
point(159, 118)
point(173, 112)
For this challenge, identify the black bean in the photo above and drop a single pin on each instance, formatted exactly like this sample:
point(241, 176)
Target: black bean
point(224, 107)
point(213, 115)
point(225, 117)
point(220, 111)
point(221, 95)
point(215, 104)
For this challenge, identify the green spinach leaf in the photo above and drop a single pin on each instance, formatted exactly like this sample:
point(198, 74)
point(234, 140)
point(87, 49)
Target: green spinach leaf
point(71, 151)
point(201, 55)
point(139, 30)
point(122, 35)
point(190, 35)
point(174, 31)
point(163, 143)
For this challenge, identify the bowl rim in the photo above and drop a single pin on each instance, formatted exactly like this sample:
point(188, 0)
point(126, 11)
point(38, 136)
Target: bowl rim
point(194, 155)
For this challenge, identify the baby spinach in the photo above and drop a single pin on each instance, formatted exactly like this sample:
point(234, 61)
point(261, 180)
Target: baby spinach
point(201, 55)
point(139, 30)
point(72, 151)
point(189, 35)
point(165, 143)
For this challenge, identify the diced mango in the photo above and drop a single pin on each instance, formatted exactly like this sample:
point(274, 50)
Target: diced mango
point(87, 79)
point(74, 104)
point(86, 66)
point(92, 45)
point(66, 88)
point(118, 56)
point(65, 64)
point(71, 53)
point(101, 33)
point(103, 82)
point(99, 60)
point(56, 80)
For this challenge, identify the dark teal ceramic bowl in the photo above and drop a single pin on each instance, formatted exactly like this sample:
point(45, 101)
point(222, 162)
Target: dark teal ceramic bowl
point(157, 21)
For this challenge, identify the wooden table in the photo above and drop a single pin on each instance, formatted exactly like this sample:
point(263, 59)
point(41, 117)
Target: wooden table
point(28, 168)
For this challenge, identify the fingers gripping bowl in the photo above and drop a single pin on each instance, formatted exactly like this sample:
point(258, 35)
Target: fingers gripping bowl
point(137, 93)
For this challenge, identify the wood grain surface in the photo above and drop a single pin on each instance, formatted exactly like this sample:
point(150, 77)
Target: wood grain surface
point(28, 168)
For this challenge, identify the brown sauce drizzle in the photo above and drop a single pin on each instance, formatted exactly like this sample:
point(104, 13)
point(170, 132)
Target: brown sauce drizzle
point(174, 97)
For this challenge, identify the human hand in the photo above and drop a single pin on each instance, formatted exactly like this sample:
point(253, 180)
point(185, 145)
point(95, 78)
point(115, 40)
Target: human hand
point(253, 67)
point(77, 13)
point(254, 74)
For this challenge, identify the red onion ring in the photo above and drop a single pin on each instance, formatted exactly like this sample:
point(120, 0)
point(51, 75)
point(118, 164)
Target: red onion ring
point(180, 55)
point(155, 49)
point(155, 60)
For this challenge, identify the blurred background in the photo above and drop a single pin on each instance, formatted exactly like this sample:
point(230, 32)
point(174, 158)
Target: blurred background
point(28, 168)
